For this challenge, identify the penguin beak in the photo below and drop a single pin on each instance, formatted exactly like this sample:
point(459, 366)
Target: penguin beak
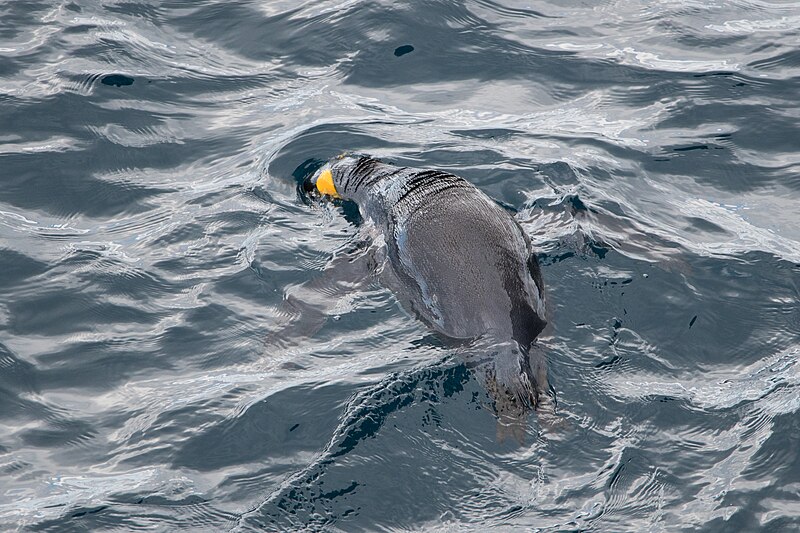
point(322, 183)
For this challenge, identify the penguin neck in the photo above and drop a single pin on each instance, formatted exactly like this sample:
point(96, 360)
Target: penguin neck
point(374, 186)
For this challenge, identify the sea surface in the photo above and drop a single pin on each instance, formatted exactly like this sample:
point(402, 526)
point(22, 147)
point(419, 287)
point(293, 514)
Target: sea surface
point(178, 352)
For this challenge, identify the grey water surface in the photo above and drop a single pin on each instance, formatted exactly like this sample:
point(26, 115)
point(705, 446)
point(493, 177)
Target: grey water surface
point(177, 354)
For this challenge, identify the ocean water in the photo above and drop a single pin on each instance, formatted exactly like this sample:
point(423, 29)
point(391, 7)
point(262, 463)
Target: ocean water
point(175, 353)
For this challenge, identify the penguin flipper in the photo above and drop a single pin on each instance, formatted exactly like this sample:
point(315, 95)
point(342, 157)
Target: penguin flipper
point(306, 307)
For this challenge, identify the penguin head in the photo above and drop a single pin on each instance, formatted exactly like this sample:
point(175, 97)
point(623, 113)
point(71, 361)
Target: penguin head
point(336, 178)
point(321, 182)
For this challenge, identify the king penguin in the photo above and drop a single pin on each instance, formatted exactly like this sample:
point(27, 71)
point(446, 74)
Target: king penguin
point(456, 259)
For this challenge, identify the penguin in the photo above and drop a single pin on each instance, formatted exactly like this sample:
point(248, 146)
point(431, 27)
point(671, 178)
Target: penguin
point(455, 259)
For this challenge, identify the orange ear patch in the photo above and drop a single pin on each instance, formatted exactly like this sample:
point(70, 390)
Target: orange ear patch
point(325, 184)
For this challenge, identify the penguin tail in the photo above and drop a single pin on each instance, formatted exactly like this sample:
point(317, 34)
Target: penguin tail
point(517, 389)
point(518, 384)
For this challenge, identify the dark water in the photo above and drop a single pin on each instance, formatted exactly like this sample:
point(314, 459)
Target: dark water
point(151, 230)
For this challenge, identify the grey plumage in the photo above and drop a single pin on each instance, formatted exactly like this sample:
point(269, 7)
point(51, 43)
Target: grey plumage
point(457, 259)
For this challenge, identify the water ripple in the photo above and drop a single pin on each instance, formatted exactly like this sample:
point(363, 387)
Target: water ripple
point(187, 343)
